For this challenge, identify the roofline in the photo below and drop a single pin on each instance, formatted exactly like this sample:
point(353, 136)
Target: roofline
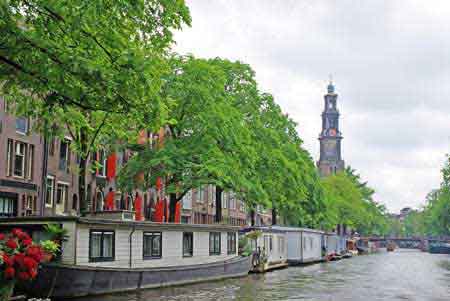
point(33, 220)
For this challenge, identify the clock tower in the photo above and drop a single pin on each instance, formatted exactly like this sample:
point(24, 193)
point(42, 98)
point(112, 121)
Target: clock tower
point(330, 138)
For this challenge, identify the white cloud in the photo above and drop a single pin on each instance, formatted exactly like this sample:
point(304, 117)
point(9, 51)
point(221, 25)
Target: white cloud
point(390, 61)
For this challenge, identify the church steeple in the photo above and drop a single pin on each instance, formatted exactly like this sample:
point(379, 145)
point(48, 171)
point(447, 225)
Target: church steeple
point(330, 138)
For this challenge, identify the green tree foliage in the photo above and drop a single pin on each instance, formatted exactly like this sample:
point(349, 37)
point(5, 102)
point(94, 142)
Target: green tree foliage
point(93, 68)
point(223, 131)
point(349, 201)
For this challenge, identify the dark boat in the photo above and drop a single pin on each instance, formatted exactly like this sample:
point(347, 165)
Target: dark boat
point(64, 281)
point(439, 248)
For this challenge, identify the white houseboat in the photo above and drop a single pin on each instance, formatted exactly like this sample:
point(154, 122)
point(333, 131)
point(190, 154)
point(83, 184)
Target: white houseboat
point(106, 254)
point(270, 248)
point(303, 245)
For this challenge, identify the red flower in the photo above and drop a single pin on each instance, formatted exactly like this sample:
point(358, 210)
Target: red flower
point(27, 242)
point(35, 252)
point(18, 258)
point(12, 244)
point(33, 273)
point(23, 276)
point(9, 261)
point(16, 232)
point(9, 273)
point(23, 236)
point(29, 263)
point(2, 236)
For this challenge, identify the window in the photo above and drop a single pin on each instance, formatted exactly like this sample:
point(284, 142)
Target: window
point(22, 125)
point(201, 195)
point(214, 243)
point(270, 244)
point(231, 243)
point(102, 161)
point(304, 244)
point(9, 156)
point(187, 200)
point(19, 160)
point(7, 206)
point(188, 244)
point(62, 193)
point(29, 205)
point(225, 197)
point(152, 245)
point(64, 155)
point(101, 245)
point(49, 191)
point(280, 244)
point(30, 161)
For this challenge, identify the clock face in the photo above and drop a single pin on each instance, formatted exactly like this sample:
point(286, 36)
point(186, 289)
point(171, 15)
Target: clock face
point(330, 148)
point(332, 132)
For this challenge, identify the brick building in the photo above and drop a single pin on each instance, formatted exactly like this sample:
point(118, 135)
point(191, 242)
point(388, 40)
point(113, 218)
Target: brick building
point(20, 166)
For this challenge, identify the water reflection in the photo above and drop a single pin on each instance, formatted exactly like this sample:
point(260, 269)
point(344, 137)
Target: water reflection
point(401, 275)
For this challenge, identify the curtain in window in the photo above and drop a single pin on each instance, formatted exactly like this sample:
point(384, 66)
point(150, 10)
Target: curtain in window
point(96, 240)
point(107, 244)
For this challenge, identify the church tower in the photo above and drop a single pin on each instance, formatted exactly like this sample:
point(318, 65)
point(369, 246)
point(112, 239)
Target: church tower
point(330, 138)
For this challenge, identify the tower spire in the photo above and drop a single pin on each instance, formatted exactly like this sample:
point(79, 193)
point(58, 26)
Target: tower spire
point(330, 138)
point(330, 87)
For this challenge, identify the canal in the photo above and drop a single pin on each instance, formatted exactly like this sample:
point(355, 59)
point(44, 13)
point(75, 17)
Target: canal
point(401, 275)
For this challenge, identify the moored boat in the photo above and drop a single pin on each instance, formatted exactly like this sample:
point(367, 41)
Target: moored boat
point(439, 248)
point(269, 246)
point(106, 255)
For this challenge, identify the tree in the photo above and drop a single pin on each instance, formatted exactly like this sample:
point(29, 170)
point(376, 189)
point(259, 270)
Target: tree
point(205, 137)
point(87, 67)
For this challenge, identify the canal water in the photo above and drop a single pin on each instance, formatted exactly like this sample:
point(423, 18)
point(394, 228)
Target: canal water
point(400, 275)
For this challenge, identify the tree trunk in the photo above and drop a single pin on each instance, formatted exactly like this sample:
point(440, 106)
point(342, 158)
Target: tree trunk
point(172, 207)
point(219, 191)
point(84, 204)
point(252, 217)
point(274, 215)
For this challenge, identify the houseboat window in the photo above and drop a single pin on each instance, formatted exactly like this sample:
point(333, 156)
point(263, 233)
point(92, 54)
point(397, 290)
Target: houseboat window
point(266, 242)
point(188, 244)
point(281, 244)
point(214, 243)
point(152, 245)
point(101, 245)
point(270, 244)
point(304, 244)
point(231, 246)
point(311, 242)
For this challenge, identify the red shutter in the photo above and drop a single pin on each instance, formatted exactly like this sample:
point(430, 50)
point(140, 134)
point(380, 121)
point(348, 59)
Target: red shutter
point(111, 166)
point(178, 212)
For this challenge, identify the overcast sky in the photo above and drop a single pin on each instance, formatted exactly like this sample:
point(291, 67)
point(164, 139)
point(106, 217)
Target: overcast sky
point(390, 61)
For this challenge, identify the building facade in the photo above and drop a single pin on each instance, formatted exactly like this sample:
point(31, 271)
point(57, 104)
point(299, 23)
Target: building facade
point(20, 166)
point(39, 177)
point(330, 138)
point(199, 207)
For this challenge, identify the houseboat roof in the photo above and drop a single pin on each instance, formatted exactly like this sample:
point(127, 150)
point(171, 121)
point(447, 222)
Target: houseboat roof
point(281, 229)
point(30, 220)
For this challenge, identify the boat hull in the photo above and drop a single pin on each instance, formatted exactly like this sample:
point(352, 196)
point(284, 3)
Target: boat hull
point(439, 249)
point(63, 281)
